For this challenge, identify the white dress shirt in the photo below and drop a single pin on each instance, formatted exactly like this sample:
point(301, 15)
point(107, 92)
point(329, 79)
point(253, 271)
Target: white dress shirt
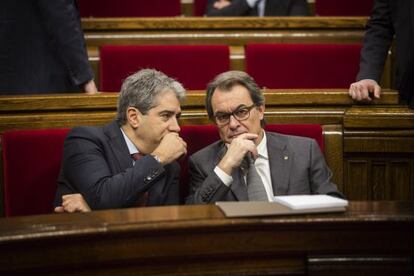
point(260, 6)
point(131, 147)
point(262, 167)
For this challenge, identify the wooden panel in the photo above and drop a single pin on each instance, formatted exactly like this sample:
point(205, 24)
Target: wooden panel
point(356, 180)
point(225, 23)
point(333, 136)
point(379, 178)
point(378, 181)
point(359, 265)
point(402, 182)
point(379, 117)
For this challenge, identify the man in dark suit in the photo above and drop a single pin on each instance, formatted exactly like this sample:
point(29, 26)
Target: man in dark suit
point(257, 8)
point(286, 164)
point(98, 162)
point(388, 18)
point(42, 48)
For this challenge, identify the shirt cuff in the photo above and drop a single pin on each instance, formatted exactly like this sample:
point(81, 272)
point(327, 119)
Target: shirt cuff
point(224, 177)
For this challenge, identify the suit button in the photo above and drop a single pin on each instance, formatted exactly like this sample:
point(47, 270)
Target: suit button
point(148, 178)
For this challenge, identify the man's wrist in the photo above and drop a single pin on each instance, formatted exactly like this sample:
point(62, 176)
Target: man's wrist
point(156, 157)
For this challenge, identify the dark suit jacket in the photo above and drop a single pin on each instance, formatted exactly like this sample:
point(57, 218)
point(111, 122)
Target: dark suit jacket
point(42, 47)
point(272, 8)
point(389, 17)
point(297, 166)
point(97, 164)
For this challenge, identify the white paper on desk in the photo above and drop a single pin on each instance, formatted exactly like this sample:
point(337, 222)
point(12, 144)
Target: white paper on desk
point(303, 202)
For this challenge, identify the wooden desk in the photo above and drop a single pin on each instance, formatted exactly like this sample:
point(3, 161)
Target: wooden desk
point(375, 238)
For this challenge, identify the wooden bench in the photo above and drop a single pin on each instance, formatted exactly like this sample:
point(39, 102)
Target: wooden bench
point(32, 158)
point(370, 148)
point(235, 32)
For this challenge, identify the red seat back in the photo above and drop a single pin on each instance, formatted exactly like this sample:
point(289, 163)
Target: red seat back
point(32, 158)
point(200, 136)
point(199, 7)
point(303, 65)
point(129, 8)
point(31, 164)
point(193, 65)
point(343, 7)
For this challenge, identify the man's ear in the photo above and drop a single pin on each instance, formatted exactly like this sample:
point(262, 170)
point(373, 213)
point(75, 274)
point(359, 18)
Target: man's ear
point(261, 110)
point(134, 117)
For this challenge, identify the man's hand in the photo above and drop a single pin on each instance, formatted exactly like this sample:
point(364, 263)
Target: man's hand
point(73, 203)
point(172, 146)
point(237, 150)
point(90, 87)
point(361, 90)
point(221, 4)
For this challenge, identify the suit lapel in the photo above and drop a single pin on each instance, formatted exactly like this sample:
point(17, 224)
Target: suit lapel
point(238, 187)
point(280, 162)
point(118, 145)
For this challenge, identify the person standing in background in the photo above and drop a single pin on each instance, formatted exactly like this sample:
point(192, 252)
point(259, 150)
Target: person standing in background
point(388, 18)
point(257, 8)
point(42, 48)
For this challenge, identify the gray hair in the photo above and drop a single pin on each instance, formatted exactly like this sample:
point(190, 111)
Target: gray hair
point(141, 89)
point(226, 81)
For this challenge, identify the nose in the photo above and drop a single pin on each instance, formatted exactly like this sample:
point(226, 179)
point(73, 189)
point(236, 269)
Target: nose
point(233, 122)
point(174, 126)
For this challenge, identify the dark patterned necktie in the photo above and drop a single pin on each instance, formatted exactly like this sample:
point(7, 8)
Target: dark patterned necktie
point(255, 188)
point(143, 198)
point(136, 156)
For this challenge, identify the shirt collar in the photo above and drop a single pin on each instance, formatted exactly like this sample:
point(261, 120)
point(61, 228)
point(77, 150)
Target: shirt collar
point(262, 147)
point(131, 147)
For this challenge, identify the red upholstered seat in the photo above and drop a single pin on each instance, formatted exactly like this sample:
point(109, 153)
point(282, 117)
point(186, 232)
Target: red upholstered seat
point(32, 158)
point(31, 164)
point(129, 8)
point(193, 65)
point(303, 65)
point(199, 136)
point(199, 7)
point(343, 7)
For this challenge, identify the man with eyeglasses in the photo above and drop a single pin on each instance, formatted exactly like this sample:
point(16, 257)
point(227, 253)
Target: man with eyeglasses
point(282, 164)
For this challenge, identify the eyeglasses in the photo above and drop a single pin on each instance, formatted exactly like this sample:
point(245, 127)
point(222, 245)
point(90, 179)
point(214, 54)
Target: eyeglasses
point(240, 114)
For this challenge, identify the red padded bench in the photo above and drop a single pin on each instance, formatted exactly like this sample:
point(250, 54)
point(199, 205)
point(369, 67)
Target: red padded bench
point(129, 8)
point(303, 65)
point(32, 158)
point(192, 65)
point(199, 7)
point(343, 7)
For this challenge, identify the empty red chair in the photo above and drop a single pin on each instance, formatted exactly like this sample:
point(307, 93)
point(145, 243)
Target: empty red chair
point(343, 7)
point(303, 65)
point(129, 8)
point(199, 7)
point(31, 165)
point(193, 65)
